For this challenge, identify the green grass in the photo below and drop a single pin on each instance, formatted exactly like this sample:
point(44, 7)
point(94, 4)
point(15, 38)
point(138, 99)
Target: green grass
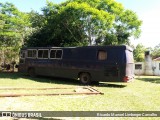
point(141, 95)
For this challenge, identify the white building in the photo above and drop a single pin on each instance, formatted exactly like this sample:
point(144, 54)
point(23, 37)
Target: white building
point(149, 67)
point(139, 68)
point(156, 66)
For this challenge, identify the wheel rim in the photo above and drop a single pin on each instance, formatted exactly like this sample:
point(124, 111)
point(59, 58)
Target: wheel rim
point(85, 78)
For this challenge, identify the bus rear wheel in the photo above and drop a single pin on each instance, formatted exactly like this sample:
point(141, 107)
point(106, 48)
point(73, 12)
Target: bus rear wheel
point(85, 78)
point(31, 72)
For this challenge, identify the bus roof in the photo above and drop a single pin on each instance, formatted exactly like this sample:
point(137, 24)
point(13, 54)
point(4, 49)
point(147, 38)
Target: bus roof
point(107, 46)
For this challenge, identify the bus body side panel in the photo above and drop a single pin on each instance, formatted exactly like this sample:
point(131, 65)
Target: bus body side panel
point(110, 70)
point(78, 60)
point(42, 67)
point(107, 71)
point(22, 68)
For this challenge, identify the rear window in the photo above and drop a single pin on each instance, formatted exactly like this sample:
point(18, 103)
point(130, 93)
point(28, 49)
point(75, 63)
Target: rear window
point(129, 56)
point(102, 55)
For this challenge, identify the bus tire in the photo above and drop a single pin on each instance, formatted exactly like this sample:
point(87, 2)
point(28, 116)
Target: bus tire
point(85, 78)
point(31, 72)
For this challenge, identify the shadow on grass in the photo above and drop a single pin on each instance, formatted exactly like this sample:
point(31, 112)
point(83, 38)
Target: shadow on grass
point(66, 81)
point(10, 75)
point(149, 79)
point(55, 80)
point(111, 85)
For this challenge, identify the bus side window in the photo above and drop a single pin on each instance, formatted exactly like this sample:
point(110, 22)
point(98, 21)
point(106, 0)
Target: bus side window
point(40, 53)
point(53, 54)
point(102, 55)
point(22, 57)
point(59, 54)
point(31, 53)
point(56, 54)
point(43, 54)
point(22, 54)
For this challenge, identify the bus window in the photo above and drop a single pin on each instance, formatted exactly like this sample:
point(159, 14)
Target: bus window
point(102, 55)
point(43, 54)
point(59, 54)
point(53, 54)
point(22, 54)
point(22, 57)
point(56, 54)
point(31, 53)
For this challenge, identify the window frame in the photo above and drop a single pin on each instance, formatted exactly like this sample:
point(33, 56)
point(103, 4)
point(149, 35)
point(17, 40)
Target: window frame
point(106, 55)
point(21, 54)
point(32, 53)
point(42, 54)
point(55, 54)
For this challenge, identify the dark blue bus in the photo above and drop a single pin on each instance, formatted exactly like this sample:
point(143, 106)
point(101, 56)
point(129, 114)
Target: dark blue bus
point(88, 64)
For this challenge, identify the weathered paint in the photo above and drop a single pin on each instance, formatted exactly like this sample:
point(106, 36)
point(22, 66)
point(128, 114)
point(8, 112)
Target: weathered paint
point(78, 60)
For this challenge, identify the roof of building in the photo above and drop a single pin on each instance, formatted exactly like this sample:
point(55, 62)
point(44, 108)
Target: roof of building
point(157, 59)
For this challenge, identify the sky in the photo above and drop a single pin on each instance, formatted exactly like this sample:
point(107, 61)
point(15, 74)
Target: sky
point(147, 10)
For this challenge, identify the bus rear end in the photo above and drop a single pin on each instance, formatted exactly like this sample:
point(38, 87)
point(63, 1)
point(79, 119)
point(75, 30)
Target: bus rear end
point(129, 65)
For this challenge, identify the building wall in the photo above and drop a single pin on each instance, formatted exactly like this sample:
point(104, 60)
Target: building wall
point(139, 68)
point(156, 68)
point(142, 70)
point(148, 67)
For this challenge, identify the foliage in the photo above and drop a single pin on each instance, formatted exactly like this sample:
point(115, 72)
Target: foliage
point(71, 23)
point(139, 53)
point(156, 51)
point(84, 22)
point(13, 25)
point(126, 25)
point(140, 50)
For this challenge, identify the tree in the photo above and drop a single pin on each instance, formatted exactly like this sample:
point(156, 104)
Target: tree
point(85, 22)
point(72, 24)
point(139, 52)
point(13, 26)
point(125, 25)
point(156, 51)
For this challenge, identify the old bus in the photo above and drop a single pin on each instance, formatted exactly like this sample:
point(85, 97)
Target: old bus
point(88, 64)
